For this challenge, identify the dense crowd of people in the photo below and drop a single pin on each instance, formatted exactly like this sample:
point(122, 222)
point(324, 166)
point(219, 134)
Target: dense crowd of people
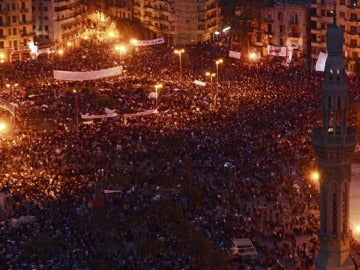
point(168, 190)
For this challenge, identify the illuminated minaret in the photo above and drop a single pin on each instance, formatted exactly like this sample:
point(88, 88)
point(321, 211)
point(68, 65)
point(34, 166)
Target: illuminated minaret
point(333, 144)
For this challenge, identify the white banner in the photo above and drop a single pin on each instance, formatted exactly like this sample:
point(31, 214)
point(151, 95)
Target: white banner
point(109, 191)
point(149, 42)
point(320, 63)
point(197, 82)
point(234, 54)
point(108, 114)
point(147, 112)
point(87, 75)
point(289, 55)
point(276, 50)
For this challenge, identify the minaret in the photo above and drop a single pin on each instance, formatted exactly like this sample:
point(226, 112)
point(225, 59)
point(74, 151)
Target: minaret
point(333, 144)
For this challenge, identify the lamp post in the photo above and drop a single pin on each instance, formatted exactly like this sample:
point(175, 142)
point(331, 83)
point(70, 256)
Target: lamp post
point(12, 86)
point(2, 129)
point(180, 52)
point(76, 109)
point(157, 86)
point(121, 49)
point(220, 61)
point(211, 75)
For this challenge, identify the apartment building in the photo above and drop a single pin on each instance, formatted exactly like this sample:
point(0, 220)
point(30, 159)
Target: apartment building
point(180, 22)
point(16, 30)
point(57, 21)
point(286, 25)
point(348, 19)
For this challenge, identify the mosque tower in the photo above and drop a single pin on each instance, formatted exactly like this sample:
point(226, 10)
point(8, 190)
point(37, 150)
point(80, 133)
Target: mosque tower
point(333, 144)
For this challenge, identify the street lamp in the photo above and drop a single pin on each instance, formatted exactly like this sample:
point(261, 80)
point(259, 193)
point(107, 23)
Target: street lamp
point(2, 129)
point(211, 75)
point(220, 61)
point(76, 109)
point(157, 86)
point(121, 49)
point(180, 52)
point(12, 86)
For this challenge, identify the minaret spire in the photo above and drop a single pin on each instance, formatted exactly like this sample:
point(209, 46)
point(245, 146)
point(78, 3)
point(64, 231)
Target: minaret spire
point(334, 142)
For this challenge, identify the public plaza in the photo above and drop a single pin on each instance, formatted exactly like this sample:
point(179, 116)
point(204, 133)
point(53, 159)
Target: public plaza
point(162, 166)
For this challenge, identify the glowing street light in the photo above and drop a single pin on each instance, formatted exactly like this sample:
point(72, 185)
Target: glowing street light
point(134, 42)
point(76, 109)
point(12, 87)
point(2, 58)
point(315, 176)
point(60, 52)
point(180, 52)
point(157, 86)
point(2, 130)
point(211, 75)
point(121, 49)
point(252, 56)
point(219, 61)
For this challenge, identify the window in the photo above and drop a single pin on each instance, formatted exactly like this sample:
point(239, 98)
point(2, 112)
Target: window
point(2, 44)
point(281, 28)
point(281, 41)
point(1, 20)
point(25, 42)
point(15, 44)
point(342, 2)
point(353, 43)
point(23, 18)
point(14, 31)
point(294, 19)
point(353, 16)
point(342, 14)
point(13, 19)
point(1, 33)
point(334, 213)
point(280, 16)
point(24, 30)
point(353, 30)
point(23, 5)
point(13, 6)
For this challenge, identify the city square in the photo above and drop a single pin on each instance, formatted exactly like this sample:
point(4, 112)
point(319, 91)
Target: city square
point(124, 153)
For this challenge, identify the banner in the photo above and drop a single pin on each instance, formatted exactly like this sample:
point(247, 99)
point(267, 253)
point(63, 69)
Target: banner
point(320, 63)
point(148, 42)
point(147, 112)
point(109, 191)
point(108, 114)
point(277, 51)
point(197, 82)
point(87, 75)
point(289, 55)
point(234, 54)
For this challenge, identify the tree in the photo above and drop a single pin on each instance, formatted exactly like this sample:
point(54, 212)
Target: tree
point(250, 23)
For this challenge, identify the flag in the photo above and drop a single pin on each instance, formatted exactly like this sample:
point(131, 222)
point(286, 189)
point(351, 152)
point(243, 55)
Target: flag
point(276, 50)
point(234, 54)
point(320, 63)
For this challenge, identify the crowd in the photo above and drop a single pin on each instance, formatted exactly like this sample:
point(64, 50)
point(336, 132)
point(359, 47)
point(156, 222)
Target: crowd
point(168, 190)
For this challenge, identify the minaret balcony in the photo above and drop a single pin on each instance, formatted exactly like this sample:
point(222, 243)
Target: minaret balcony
point(321, 138)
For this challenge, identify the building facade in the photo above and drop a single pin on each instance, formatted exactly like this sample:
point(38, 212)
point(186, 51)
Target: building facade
point(16, 30)
point(180, 22)
point(286, 25)
point(348, 14)
point(57, 21)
